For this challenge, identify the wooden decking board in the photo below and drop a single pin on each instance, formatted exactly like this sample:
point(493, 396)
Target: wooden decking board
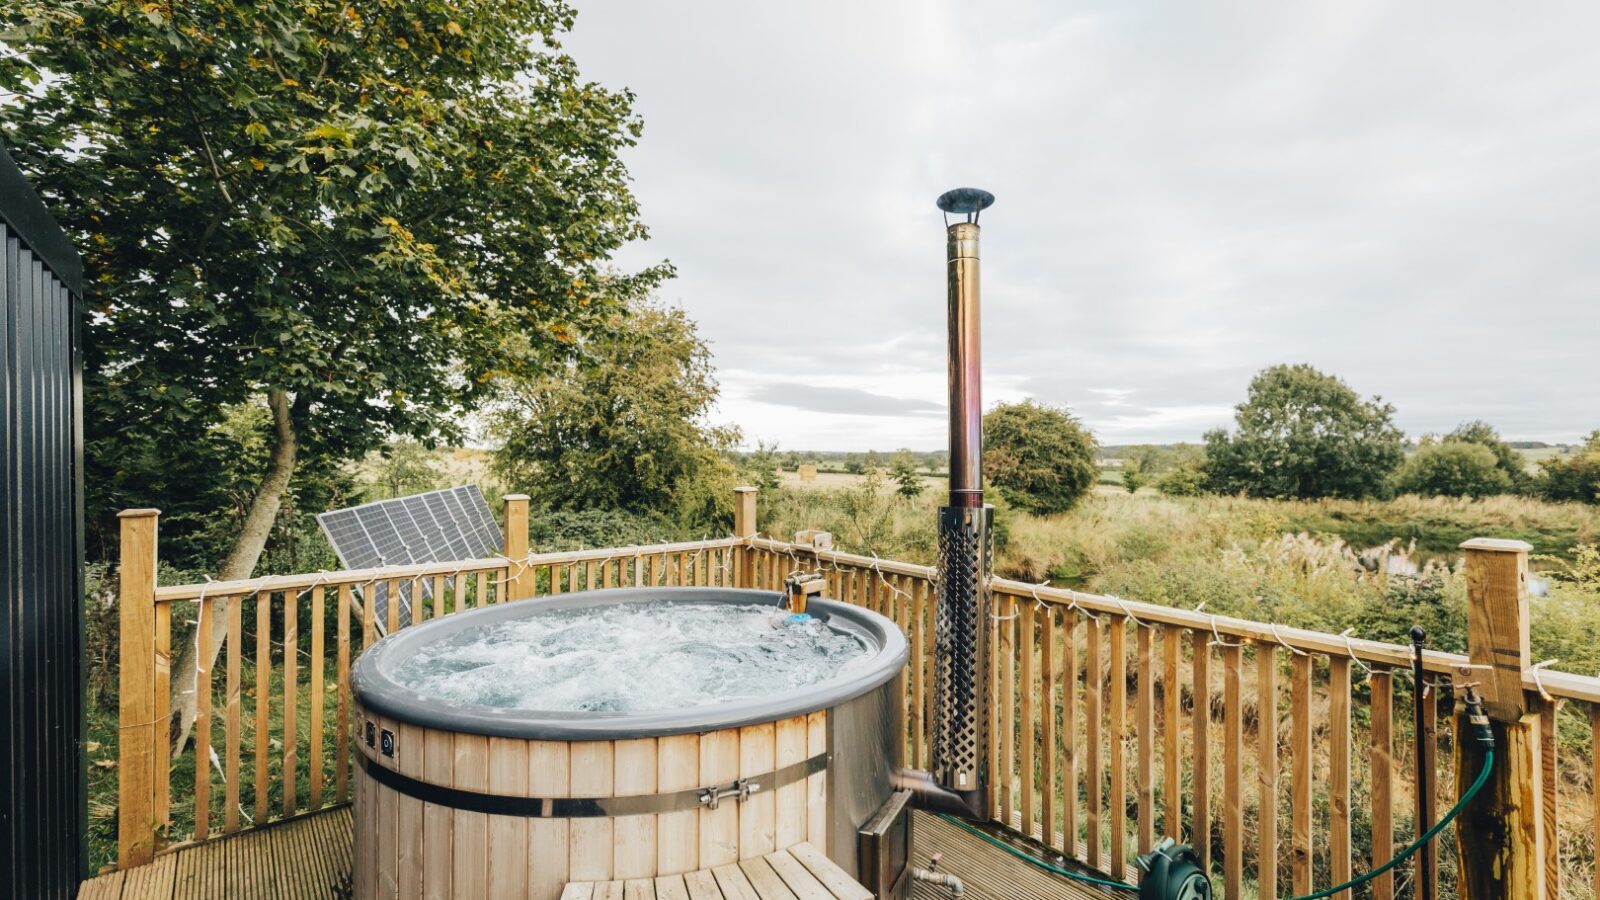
point(310, 857)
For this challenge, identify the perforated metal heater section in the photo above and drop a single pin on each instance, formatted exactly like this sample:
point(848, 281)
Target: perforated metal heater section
point(961, 635)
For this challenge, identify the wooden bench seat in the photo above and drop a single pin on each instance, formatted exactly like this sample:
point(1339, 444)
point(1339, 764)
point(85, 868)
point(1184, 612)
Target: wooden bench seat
point(801, 872)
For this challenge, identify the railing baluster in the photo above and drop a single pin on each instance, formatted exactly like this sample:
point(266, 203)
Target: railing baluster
point(161, 776)
point(1201, 834)
point(1145, 728)
point(291, 706)
point(202, 722)
point(391, 606)
point(1049, 662)
point(1232, 771)
point(341, 747)
point(1119, 748)
point(1025, 624)
point(1339, 771)
point(1008, 708)
point(1094, 775)
point(1300, 777)
point(438, 596)
point(1267, 764)
point(317, 652)
point(1069, 732)
point(263, 735)
point(919, 613)
point(1171, 732)
point(1382, 762)
point(233, 738)
point(1594, 781)
point(1549, 747)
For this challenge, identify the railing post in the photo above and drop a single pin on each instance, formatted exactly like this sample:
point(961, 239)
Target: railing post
point(136, 691)
point(744, 527)
point(1500, 835)
point(523, 580)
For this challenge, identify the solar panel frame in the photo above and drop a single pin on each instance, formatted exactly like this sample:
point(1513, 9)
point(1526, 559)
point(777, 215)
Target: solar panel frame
point(435, 526)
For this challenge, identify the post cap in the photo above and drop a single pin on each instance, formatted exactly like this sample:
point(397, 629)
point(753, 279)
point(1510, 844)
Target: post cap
point(745, 489)
point(516, 497)
point(1497, 545)
point(138, 513)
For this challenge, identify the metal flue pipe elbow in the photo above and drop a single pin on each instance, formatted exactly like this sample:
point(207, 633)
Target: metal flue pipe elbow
point(959, 779)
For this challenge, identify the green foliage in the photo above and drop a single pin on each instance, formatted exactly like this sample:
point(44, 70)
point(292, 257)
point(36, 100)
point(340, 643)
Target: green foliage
point(351, 205)
point(1041, 458)
point(854, 464)
point(1134, 475)
point(625, 430)
point(579, 529)
point(1507, 460)
point(1575, 477)
point(402, 468)
point(1304, 434)
point(1187, 480)
point(760, 467)
point(907, 479)
point(1454, 468)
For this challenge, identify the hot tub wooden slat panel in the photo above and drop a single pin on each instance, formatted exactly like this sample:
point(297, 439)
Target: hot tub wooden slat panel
point(639, 889)
point(578, 891)
point(508, 835)
point(817, 784)
point(634, 847)
point(758, 814)
point(592, 776)
point(469, 855)
point(387, 851)
point(411, 750)
point(438, 766)
point(677, 833)
point(549, 774)
point(719, 828)
point(790, 825)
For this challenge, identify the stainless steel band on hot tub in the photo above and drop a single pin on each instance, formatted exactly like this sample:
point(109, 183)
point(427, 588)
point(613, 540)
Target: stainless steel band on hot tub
point(591, 807)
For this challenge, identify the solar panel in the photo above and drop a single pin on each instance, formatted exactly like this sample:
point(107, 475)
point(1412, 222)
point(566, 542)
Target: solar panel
point(438, 526)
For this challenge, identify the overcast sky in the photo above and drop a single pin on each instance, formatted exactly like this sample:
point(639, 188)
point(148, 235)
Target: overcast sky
point(1406, 195)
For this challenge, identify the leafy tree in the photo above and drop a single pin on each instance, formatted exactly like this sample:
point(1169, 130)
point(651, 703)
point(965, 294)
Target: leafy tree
point(1507, 459)
point(1573, 477)
point(1305, 434)
point(874, 461)
point(623, 429)
point(344, 209)
point(1039, 457)
point(854, 464)
point(1134, 475)
point(761, 467)
point(908, 481)
point(402, 468)
point(1453, 468)
point(1186, 480)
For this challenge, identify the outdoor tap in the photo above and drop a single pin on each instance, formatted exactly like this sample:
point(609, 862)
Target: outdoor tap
point(798, 588)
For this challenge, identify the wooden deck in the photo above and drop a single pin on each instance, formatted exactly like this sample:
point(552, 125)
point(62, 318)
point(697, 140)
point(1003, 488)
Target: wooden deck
point(308, 858)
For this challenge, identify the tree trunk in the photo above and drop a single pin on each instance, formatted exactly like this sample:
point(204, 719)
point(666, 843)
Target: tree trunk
point(240, 564)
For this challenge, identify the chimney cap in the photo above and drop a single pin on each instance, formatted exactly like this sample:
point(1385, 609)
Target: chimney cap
point(965, 200)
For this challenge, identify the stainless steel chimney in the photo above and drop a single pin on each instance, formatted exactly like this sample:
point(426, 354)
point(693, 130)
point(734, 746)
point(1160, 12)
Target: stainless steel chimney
point(959, 780)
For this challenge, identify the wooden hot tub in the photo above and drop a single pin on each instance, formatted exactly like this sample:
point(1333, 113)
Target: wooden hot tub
point(476, 801)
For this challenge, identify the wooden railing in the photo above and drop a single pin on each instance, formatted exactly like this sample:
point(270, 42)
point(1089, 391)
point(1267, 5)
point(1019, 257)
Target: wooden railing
point(1271, 749)
point(284, 747)
point(1292, 745)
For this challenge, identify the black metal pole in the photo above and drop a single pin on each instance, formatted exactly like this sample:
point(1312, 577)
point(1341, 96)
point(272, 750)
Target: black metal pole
point(1419, 696)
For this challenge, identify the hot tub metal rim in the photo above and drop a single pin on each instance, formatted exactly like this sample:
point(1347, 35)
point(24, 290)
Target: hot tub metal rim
point(377, 692)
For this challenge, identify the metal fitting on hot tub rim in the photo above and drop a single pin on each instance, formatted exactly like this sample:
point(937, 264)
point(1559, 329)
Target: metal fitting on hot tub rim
point(374, 688)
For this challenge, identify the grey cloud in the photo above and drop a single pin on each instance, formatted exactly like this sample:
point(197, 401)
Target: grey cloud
point(1403, 195)
point(842, 401)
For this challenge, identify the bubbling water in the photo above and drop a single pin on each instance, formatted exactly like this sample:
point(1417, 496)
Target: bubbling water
point(632, 658)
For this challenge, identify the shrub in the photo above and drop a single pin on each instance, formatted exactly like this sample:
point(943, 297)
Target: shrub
point(1040, 458)
point(1453, 469)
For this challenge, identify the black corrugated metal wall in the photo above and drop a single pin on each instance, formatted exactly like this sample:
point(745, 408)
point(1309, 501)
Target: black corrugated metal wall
point(42, 803)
